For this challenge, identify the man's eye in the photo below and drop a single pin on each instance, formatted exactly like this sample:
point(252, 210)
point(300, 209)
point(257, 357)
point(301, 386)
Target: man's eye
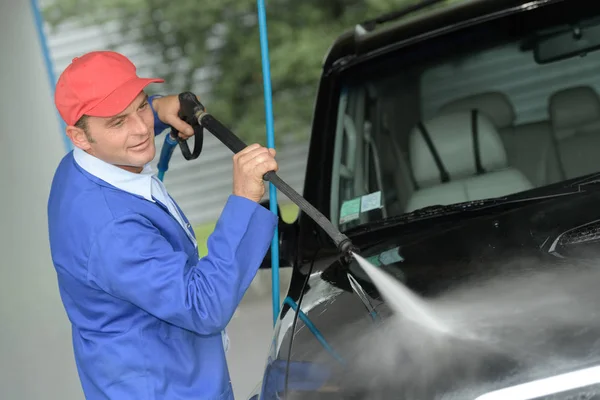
point(144, 105)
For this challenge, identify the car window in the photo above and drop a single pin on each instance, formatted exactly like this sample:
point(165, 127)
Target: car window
point(475, 119)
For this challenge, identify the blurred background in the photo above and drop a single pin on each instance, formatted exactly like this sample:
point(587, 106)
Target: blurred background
point(209, 47)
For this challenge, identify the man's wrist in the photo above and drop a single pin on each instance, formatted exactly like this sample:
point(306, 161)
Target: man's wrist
point(152, 101)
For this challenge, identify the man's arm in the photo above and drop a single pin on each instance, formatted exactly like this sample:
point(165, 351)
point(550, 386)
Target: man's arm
point(131, 260)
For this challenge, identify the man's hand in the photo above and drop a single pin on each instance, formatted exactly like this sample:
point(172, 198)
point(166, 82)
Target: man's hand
point(167, 108)
point(249, 166)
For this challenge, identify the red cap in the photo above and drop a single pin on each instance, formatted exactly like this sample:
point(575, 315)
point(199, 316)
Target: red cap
point(99, 84)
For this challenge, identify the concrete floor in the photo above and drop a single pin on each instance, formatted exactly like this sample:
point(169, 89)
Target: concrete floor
point(250, 333)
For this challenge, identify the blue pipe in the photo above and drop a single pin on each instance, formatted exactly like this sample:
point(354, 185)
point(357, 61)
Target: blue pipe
point(39, 23)
point(262, 23)
point(165, 155)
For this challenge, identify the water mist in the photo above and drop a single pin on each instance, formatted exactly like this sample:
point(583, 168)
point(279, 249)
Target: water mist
point(481, 336)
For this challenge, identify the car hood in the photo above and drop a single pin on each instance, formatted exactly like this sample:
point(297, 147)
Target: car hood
point(434, 252)
point(517, 284)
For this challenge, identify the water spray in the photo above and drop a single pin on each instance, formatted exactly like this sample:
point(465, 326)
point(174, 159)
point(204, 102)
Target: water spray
point(401, 300)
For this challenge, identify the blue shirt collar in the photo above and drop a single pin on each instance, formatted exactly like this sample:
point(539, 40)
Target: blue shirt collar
point(139, 184)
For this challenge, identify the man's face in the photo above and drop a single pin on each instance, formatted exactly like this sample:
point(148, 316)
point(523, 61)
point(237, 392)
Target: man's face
point(125, 140)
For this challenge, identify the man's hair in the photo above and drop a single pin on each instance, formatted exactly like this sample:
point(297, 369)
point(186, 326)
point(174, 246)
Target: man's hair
point(82, 123)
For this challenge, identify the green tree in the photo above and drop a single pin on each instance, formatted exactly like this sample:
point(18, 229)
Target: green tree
point(221, 39)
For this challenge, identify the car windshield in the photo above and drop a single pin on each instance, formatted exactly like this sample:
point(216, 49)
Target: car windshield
point(498, 109)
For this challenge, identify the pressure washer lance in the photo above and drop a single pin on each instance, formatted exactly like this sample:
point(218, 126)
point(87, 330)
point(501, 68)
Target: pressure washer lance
point(193, 112)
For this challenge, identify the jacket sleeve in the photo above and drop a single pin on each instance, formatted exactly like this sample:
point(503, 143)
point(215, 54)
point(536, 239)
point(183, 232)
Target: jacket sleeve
point(132, 261)
point(159, 126)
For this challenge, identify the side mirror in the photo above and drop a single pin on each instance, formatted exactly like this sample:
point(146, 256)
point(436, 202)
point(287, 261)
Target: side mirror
point(287, 241)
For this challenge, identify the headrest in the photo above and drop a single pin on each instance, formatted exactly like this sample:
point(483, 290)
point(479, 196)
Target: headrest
point(451, 136)
point(573, 108)
point(495, 105)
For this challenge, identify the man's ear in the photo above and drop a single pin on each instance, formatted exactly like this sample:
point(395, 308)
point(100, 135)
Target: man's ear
point(78, 137)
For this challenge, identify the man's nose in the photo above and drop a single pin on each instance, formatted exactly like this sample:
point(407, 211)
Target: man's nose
point(139, 125)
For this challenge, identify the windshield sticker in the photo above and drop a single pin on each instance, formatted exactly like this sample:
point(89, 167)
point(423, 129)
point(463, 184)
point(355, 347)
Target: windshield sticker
point(391, 256)
point(370, 202)
point(387, 257)
point(350, 210)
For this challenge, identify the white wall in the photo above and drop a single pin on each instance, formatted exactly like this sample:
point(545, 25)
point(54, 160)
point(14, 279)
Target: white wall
point(36, 359)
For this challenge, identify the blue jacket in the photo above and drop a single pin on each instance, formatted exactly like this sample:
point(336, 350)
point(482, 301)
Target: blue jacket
point(147, 313)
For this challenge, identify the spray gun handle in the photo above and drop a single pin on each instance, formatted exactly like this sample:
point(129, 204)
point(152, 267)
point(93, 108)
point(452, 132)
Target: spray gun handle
point(189, 106)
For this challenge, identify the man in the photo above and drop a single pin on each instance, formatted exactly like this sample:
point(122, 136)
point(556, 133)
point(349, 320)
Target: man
point(147, 314)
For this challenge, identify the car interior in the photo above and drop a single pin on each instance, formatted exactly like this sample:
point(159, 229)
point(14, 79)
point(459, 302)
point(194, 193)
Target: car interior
point(481, 124)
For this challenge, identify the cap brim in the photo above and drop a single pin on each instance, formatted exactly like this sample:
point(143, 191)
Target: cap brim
point(121, 98)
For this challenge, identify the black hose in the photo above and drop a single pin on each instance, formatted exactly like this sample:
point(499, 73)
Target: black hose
point(190, 105)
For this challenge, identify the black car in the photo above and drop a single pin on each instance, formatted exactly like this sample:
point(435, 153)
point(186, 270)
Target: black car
point(457, 144)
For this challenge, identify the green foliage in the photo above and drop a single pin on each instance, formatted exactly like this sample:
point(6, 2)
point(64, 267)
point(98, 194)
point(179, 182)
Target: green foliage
point(222, 36)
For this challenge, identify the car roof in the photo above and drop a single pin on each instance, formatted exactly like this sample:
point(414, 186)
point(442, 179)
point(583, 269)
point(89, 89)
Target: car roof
point(417, 22)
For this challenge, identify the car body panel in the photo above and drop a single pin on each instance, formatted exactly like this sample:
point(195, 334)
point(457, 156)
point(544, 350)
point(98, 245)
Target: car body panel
point(455, 251)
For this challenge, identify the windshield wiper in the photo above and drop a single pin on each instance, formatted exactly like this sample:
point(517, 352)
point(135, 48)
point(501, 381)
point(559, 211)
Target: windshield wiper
point(591, 179)
point(434, 211)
